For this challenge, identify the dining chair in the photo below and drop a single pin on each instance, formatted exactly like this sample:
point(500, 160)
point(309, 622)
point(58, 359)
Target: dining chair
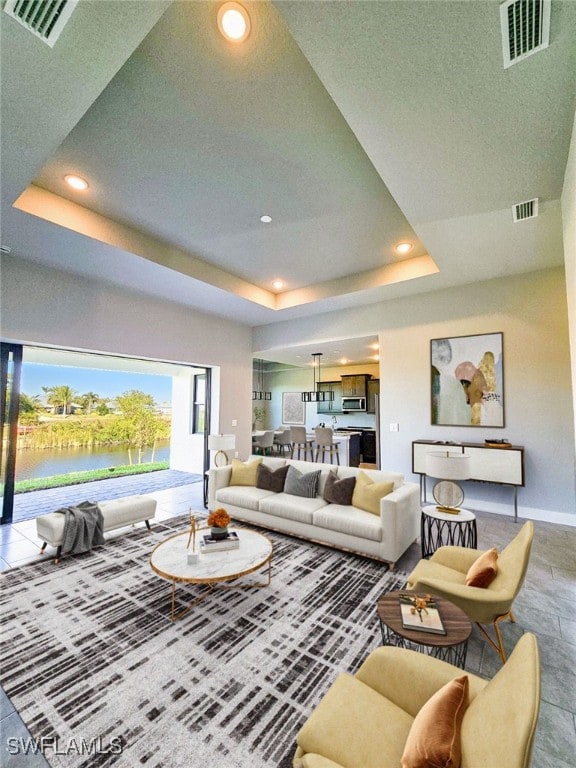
point(264, 443)
point(301, 441)
point(283, 442)
point(325, 443)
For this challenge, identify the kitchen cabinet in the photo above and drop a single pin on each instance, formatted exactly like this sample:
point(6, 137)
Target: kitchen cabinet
point(355, 385)
point(331, 406)
point(373, 389)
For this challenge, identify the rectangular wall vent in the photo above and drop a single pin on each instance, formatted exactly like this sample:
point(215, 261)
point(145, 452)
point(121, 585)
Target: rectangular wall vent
point(526, 210)
point(525, 28)
point(44, 18)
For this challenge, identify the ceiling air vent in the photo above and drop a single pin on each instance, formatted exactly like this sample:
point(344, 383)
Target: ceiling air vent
point(523, 211)
point(525, 28)
point(44, 18)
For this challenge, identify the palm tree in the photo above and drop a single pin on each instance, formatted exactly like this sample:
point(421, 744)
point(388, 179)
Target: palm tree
point(60, 396)
point(88, 401)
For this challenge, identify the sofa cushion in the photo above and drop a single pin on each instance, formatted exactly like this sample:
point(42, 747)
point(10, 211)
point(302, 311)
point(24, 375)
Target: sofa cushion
point(244, 473)
point(349, 520)
point(269, 461)
point(339, 491)
point(483, 571)
point(271, 479)
point(246, 496)
point(291, 507)
point(434, 738)
point(377, 475)
point(299, 484)
point(367, 493)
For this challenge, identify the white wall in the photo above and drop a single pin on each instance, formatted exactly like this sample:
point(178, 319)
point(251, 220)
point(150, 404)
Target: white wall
point(49, 307)
point(569, 230)
point(531, 311)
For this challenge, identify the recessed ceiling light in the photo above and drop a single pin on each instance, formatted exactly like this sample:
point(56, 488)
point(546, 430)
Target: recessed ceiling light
point(265, 219)
point(233, 22)
point(403, 247)
point(376, 345)
point(5, 249)
point(343, 360)
point(277, 284)
point(76, 182)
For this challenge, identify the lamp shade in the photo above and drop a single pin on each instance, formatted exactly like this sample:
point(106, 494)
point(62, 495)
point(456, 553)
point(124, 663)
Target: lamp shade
point(221, 442)
point(448, 466)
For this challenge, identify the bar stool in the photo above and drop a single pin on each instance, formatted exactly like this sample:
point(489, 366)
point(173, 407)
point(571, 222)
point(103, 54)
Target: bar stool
point(300, 440)
point(325, 443)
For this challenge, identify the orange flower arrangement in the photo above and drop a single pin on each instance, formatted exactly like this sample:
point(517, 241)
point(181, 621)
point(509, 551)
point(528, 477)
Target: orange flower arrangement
point(218, 519)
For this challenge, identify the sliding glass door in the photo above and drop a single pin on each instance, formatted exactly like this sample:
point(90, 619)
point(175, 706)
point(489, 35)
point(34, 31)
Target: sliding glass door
point(10, 371)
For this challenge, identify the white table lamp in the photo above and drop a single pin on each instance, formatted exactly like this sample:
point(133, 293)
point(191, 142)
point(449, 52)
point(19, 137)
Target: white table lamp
point(448, 467)
point(221, 444)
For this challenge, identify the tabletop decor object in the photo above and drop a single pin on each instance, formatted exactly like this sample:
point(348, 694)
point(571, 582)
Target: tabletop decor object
point(448, 467)
point(219, 520)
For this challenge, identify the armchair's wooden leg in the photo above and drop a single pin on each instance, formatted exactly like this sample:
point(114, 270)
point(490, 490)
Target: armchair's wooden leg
point(43, 547)
point(497, 644)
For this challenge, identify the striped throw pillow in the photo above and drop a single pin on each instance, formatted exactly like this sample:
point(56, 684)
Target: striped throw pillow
point(299, 484)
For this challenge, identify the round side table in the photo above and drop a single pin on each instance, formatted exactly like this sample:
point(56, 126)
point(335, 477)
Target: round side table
point(440, 528)
point(451, 647)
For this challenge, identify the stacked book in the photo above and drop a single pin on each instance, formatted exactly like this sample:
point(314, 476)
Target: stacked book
point(210, 544)
point(424, 619)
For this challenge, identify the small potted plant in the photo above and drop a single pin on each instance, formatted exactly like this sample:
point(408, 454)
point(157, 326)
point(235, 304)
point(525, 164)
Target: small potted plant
point(219, 520)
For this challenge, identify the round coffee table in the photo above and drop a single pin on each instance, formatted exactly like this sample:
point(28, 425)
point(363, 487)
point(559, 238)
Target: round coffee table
point(169, 559)
point(438, 528)
point(451, 647)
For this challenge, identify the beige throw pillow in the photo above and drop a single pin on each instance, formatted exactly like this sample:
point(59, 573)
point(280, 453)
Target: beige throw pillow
point(483, 571)
point(244, 473)
point(434, 738)
point(367, 493)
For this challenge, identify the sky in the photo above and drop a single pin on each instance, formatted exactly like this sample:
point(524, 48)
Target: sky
point(104, 383)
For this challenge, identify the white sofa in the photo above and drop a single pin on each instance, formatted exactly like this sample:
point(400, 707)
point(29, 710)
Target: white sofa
point(385, 537)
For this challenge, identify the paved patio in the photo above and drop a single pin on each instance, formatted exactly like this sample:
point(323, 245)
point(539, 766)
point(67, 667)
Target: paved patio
point(29, 505)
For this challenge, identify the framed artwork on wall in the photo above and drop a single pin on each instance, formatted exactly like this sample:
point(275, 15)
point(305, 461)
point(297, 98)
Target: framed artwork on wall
point(293, 408)
point(467, 381)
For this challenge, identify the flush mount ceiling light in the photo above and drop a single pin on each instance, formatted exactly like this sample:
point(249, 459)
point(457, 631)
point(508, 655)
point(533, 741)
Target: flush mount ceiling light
point(277, 285)
point(265, 219)
point(403, 247)
point(233, 22)
point(76, 182)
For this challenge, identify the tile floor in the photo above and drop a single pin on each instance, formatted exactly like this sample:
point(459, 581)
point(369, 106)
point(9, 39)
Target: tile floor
point(545, 606)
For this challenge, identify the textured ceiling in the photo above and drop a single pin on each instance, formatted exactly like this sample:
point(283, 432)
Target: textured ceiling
point(354, 125)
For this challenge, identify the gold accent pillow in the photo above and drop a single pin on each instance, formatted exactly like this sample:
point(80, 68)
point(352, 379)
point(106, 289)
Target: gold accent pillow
point(434, 737)
point(244, 473)
point(483, 571)
point(367, 493)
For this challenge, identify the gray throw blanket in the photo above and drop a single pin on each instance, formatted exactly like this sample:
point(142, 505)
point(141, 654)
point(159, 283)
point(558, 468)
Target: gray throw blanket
point(83, 527)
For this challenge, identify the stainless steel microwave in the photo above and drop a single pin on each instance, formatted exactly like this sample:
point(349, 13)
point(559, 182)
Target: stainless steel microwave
point(353, 403)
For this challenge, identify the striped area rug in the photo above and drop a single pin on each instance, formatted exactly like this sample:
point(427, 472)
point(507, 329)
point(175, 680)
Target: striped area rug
point(101, 676)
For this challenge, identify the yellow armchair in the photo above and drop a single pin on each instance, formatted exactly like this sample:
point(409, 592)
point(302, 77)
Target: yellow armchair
point(364, 720)
point(445, 574)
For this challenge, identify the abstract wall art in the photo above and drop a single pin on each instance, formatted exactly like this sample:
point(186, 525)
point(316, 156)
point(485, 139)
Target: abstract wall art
point(293, 409)
point(467, 381)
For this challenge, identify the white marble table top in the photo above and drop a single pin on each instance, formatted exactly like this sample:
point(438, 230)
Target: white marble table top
point(169, 558)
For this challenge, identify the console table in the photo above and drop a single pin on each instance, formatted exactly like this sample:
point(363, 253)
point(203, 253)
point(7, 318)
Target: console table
point(504, 466)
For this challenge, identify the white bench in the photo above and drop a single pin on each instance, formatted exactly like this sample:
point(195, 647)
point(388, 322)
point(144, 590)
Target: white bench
point(116, 513)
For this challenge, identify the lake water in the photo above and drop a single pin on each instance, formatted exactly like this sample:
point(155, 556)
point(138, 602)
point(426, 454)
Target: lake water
point(60, 461)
